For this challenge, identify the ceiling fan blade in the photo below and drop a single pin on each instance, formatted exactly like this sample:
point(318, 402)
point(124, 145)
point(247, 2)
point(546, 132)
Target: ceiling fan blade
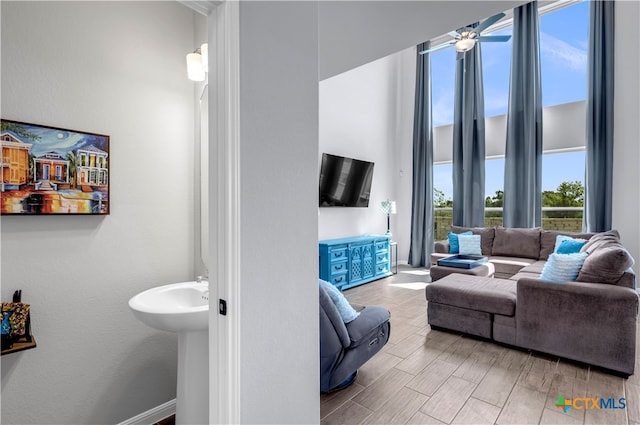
point(494, 38)
point(454, 34)
point(439, 47)
point(488, 22)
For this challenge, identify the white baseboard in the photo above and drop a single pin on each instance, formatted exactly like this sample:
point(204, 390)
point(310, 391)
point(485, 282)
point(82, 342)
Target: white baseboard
point(153, 415)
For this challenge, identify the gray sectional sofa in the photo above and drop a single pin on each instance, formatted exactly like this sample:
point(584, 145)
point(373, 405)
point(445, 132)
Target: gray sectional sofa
point(591, 320)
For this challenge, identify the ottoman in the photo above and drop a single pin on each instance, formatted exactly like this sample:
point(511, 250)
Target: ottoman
point(484, 270)
point(474, 305)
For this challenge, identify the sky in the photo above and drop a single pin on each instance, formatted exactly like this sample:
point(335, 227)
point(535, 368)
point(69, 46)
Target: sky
point(563, 55)
point(61, 141)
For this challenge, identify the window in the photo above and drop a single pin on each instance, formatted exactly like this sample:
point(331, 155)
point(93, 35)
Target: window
point(496, 68)
point(443, 77)
point(563, 56)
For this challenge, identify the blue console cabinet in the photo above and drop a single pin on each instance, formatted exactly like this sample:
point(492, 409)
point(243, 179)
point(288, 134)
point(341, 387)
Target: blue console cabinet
point(349, 262)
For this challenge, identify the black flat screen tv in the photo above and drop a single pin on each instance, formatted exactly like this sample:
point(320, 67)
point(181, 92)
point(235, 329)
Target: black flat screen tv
point(345, 182)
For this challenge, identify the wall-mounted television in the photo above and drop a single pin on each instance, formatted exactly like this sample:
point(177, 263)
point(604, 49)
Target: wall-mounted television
point(345, 182)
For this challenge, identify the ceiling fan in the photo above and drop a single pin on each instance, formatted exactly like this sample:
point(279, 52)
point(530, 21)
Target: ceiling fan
point(466, 38)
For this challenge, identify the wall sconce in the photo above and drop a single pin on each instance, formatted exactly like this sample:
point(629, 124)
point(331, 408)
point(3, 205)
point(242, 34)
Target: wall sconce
point(388, 207)
point(198, 63)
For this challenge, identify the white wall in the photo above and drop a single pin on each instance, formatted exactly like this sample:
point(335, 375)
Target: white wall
point(626, 150)
point(278, 180)
point(115, 68)
point(363, 115)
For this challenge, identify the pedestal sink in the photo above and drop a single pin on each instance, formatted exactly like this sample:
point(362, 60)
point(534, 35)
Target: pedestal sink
point(183, 308)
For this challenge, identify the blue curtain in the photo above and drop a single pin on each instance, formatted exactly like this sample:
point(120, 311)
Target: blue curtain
point(422, 196)
point(523, 154)
point(599, 146)
point(468, 141)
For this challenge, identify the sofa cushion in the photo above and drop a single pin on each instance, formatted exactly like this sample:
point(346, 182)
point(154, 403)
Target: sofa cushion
point(601, 239)
point(606, 262)
point(474, 293)
point(548, 240)
point(486, 236)
point(562, 268)
point(508, 266)
point(516, 277)
point(517, 242)
point(437, 256)
point(535, 267)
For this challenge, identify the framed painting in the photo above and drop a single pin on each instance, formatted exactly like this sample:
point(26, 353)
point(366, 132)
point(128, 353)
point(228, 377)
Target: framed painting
point(48, 170)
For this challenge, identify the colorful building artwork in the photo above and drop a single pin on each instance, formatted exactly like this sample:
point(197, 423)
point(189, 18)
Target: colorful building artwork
point(91, 167)
point(51, 169)
point(15, 160)
point(48, 170)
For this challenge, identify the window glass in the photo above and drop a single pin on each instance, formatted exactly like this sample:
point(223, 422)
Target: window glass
point(443, 77)
point(496, 66)
point(563, 54)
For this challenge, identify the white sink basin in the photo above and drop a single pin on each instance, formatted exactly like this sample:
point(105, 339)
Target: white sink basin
point(177, 307)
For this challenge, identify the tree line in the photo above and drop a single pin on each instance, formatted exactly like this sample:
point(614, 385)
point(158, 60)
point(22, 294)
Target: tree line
point(567, 194)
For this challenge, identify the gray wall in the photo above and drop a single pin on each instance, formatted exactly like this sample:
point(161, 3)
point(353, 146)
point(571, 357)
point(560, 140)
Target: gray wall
point(115, 68)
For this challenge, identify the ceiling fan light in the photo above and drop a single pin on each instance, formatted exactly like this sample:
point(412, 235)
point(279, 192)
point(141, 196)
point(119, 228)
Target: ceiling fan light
point(465, 45)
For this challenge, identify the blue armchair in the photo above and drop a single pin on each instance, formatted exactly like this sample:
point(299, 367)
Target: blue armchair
point(344, 348)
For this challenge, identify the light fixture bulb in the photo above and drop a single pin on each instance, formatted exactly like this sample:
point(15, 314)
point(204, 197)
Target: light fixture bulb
point(195, 70)
point(204, 50)
point(465, 44)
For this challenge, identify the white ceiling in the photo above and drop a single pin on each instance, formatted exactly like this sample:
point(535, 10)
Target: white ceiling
point(353, 33)
point(203, 7)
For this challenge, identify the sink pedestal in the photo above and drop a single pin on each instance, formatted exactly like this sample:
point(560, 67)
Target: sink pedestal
point(183, 308)
point(192, 399)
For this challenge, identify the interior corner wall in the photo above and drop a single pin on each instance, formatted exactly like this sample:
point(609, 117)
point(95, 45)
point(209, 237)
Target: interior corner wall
point(626, 150)
point(114, 68)
point(278, 185)
point(367, 113)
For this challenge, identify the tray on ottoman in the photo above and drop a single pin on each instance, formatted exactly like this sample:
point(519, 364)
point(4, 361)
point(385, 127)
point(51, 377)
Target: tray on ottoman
point(463, 261)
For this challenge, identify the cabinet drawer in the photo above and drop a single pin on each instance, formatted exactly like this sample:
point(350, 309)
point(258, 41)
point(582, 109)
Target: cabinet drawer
point(338, 280)
point(382, 257)
point(382, 246)
point(338, 267)
point(382, 268)
point(338, 253)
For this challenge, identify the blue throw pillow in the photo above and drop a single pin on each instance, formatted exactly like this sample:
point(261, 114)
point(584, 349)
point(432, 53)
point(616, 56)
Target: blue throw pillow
point(561, 268)
point(347, 312)
point(568, 245)
point(469, 245)
point(454, 246)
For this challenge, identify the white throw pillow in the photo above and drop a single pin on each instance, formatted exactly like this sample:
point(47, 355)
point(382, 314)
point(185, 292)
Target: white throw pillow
point(561, 268)
point(469, 244)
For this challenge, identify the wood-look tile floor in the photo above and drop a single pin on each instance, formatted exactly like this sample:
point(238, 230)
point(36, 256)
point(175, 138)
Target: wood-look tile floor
point(425, 376)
